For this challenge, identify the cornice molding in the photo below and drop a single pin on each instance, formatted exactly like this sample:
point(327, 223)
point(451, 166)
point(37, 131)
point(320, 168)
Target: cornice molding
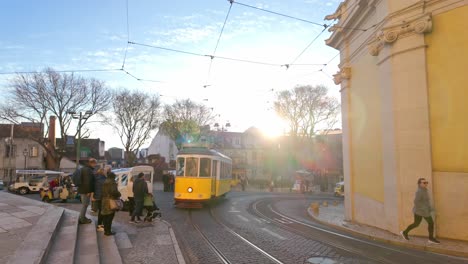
point(389, 35)
point(343, 74)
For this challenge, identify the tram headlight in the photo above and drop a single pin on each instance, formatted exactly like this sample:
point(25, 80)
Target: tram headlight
point(189, 189)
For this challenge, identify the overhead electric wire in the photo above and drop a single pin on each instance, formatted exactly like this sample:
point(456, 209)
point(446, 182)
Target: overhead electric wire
point(167, 49)
point(139, 79)
point(308, 46)
point(279, 14)
point(217, 42)
point(128, 39)
point(61, 71)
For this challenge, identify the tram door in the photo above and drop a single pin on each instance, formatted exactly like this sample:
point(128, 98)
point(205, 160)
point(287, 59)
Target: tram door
point(214, 175)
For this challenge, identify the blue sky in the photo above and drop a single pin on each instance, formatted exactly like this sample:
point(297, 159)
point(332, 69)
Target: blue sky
point(89, 34)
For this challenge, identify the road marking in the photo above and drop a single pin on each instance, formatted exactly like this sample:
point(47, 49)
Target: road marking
point(273, 233)
point(258, 220)
point(243, 218)
point(233, 210)
point(281, 221)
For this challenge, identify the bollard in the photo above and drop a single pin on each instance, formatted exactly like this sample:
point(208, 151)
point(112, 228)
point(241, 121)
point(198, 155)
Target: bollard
point(315, 208)
point(325, 204)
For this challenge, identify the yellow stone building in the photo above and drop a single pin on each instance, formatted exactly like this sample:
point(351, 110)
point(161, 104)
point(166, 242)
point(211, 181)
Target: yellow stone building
point(404, 92)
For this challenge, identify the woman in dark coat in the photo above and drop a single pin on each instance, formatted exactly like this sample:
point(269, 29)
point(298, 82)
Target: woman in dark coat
point(109, 192)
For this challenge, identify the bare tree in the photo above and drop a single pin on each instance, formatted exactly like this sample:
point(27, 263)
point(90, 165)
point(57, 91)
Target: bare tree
point(320, 110)
point(136, 115)
point(289, 106)
point(307, 108)
point(185, 117)
point(33, 97)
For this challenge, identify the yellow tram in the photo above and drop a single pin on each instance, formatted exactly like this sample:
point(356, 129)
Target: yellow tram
point(201, 174)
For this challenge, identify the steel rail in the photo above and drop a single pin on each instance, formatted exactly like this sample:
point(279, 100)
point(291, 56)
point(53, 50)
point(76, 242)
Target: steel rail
point(210, 244)
point(329, 243)
point(275, 260)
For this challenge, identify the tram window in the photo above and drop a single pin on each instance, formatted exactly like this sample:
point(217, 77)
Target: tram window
point(205, 167)
point(192, 167)
point(215, 168)
point(180, 166)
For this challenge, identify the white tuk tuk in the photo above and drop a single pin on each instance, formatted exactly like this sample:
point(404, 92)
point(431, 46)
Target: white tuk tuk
point(123, 176)
point(32, 180)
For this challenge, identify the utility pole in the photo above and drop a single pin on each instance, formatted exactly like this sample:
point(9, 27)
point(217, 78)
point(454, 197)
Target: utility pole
point(10, 153)
point(81, 116)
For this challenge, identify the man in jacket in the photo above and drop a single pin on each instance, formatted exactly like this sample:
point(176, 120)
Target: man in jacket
point(140, 189)
point(422, 209)
point(85, 188)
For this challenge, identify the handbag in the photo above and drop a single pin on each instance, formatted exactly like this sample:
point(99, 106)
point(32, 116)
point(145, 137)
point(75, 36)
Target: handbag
point(116, 205)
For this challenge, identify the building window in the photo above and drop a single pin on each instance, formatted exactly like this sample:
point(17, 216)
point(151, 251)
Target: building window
point(33, 151)
point(254, 156)
point(8, 151)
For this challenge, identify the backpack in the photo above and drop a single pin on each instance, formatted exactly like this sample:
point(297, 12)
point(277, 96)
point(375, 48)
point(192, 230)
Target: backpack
point(76, 177)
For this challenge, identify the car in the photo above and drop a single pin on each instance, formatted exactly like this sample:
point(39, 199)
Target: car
point(2, 185)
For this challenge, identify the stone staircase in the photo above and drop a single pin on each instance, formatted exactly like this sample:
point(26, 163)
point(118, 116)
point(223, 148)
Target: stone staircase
point(57, 238)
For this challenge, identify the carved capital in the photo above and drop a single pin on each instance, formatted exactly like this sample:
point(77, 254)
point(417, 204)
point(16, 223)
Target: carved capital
point(343, 74)
point(391, 34)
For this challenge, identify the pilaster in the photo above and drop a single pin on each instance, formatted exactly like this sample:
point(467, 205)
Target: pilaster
point(406, 132)
point(343, 77)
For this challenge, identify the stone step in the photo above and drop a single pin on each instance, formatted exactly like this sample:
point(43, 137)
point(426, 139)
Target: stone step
point(64, 244)
point(87, 249)
point(108, 250)
point(38, 241)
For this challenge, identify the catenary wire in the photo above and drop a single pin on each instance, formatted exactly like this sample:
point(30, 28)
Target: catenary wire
point(62, 71)
point(128, 38)
point(217, 42)
point(308, 46)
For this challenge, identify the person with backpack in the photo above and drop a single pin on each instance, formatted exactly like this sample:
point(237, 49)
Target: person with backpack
point(84, 179)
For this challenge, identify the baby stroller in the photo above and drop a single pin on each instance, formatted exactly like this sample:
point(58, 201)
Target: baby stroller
point(152, 210)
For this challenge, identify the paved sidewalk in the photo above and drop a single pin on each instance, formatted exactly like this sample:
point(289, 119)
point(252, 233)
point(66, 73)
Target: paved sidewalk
point(18, 216)
point(333, 215)
point(137, 243)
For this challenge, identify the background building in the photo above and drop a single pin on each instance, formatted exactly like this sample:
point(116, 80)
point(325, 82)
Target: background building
point(403, 93)
point(18, 150)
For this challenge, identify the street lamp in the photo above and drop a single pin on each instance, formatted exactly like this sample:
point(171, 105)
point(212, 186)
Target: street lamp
point(80, 116)
point(25, 154)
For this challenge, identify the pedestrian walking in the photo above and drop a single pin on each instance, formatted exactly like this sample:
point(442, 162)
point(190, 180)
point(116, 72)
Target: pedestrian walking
point(140, 189)
point(165, 179)
point(96, 197)
point(131, 201)
point(171, 182)
point(85, 188)
point(243, 182)
point(422, 209)
point(109, 192)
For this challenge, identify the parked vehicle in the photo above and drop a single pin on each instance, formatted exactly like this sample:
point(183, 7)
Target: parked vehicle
point(63, 191)
point(124, 175)
point(32, 180)
point(1, 185)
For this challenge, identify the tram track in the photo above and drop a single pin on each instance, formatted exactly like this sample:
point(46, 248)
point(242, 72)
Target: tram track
point(375, 252)
point(295, 230)
point(223, 258)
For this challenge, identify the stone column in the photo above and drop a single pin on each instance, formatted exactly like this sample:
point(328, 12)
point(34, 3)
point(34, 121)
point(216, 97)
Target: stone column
point(343, 78)
point(405, 116)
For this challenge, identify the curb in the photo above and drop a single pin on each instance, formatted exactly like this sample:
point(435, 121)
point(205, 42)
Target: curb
point(179, 255)
point(443, 251)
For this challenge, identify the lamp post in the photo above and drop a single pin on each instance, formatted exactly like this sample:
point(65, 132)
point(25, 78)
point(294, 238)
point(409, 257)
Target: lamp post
point(223, 128)
point(25, 154)
point(80, 116)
